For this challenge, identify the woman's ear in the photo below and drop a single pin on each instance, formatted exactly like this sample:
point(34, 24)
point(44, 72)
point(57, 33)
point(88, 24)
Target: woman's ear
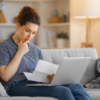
point(17, 26)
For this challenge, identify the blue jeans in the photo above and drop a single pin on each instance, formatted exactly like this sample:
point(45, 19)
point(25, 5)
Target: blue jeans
point(65, 92)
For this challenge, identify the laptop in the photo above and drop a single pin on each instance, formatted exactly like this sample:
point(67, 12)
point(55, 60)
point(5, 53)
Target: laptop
point(70, 70)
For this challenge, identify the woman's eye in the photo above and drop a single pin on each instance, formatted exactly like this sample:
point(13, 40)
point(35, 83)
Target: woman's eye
point(33, 33)
point(27, 31)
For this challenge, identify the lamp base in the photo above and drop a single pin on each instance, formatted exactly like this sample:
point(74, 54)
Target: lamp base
point(86, 45)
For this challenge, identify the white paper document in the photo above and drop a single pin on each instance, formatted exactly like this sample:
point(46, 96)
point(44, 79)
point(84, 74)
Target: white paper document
point(41, 71)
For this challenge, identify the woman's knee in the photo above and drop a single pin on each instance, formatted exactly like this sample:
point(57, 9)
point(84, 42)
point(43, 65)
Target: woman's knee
point(65, 93)
point(75, 86)
point(63, 90)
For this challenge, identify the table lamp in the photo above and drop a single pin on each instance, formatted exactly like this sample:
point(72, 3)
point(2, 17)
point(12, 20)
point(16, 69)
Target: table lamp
point(86, 9)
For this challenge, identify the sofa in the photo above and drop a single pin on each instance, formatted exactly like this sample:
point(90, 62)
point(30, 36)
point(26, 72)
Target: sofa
point(55, 56)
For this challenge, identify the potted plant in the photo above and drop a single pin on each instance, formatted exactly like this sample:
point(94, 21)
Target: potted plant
point(62, 40)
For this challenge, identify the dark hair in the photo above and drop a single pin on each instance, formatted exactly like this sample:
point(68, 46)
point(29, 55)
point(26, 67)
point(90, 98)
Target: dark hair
point(28, 14)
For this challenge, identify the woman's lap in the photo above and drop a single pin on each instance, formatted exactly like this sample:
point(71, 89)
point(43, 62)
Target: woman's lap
point(60, 92)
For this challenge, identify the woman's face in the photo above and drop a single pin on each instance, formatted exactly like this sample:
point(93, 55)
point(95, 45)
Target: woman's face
point(26, 32)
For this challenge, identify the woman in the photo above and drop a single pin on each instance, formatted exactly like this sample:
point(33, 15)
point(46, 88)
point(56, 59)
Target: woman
point(18, 55)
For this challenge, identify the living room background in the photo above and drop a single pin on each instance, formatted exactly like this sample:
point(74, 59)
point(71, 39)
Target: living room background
point(75, 29)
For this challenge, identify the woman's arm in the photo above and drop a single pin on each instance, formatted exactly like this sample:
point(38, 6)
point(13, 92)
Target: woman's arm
point(6, 72)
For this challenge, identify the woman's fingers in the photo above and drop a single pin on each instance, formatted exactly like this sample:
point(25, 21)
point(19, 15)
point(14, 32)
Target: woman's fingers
point(26, 42)
point(23, 47)
point(21, 42)
point(50, 77)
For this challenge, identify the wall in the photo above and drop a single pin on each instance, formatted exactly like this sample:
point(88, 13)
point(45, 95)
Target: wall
point(78, 32)
point(95, 34)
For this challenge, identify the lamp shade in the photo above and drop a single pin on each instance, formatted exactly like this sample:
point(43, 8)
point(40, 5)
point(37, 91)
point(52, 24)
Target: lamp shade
point(85, 8)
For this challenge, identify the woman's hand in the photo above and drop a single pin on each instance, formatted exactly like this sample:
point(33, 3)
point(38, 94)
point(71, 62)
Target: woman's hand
point(50, 77)
point(23, 47)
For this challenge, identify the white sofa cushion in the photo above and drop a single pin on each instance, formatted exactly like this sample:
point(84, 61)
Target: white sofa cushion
point(3, 91)
point(94, 93)
point(27, 98)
